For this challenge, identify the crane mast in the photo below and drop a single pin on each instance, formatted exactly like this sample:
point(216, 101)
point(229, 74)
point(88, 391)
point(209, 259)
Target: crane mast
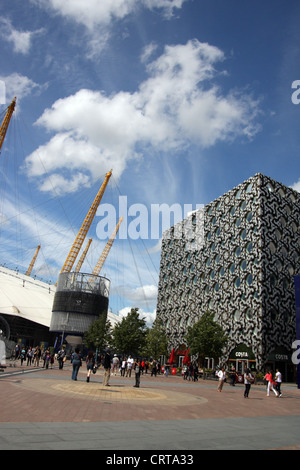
point(28, 272)
point(83, 256)
point(85, 227)
point(106, 250)
point(6, 120)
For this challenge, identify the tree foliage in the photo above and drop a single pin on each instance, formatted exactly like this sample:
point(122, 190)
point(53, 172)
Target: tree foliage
point(156, 340)
point(129, 335)
point(206, 337)
point(99, 334)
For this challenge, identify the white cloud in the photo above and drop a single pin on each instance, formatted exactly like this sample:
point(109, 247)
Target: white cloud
point(143, 294)
point(92, 13)
point(149, 317)
point(19, 86)
point(173, 108)
point(296, 186)
point(21, 40)
point(98, 17)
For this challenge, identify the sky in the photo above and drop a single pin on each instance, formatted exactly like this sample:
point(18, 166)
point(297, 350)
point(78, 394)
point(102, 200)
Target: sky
point(182, 99)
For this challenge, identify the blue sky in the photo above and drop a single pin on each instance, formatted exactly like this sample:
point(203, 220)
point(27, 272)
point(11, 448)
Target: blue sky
point(183, 99)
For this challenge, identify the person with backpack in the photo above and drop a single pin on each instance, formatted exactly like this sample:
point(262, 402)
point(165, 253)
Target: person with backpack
point(76, 363)
point(61, 357)
point(90, 363)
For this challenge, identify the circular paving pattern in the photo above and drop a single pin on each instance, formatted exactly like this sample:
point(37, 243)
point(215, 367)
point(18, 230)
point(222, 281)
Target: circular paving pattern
point(113, 393)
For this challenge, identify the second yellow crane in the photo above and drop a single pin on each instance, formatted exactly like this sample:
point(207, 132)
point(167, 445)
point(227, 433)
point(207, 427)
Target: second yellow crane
point(85, 227)
point(105, 252)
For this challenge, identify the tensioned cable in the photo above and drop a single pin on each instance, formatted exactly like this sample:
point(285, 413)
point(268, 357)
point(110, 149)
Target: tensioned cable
point(135, 263)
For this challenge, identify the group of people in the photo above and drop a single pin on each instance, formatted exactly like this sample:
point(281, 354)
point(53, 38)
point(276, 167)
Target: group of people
point(191, 372)
point(273, 384)
point(34, 356)
point(126, 366)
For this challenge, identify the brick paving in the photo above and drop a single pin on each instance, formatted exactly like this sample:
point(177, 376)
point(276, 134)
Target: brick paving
point(50, 396)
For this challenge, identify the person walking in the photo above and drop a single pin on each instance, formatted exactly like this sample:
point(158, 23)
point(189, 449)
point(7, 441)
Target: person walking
point(37, 356)
point(76, 363)
point(278, 380)
point(196, 372)
point(248, 380)
point(23, 354)
point(107, 368)
point(232, 376)
point(90, 362)
point(153, 368)
point(29, 356)
point(123, 367)
point(61, 357)
point(115, 362)
point(129, 366)
point(137, 371)
point(222, 376)
point(47, 358)
point(268, 377)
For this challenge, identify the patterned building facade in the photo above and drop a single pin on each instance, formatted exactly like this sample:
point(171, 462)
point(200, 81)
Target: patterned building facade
point(236, 257)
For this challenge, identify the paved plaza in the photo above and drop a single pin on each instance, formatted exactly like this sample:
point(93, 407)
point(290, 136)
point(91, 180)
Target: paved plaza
point(46, 410)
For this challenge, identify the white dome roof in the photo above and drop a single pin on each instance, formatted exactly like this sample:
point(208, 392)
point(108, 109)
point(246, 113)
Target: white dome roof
point(26, 297)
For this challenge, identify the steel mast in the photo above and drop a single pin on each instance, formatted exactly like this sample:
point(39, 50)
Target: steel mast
point(6, 120)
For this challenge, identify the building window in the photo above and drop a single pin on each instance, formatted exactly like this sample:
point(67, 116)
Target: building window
point(249, 313)
point(249, 216)
point(232, 268)
point(238, 194)
point(243, 205)
point(249, 279)
point(237, 251)
point(249, 247)
point(236, 315)
point(243, 265)
point(243, 234)
point(238, 222)
point(249, 188)
point(272, 247)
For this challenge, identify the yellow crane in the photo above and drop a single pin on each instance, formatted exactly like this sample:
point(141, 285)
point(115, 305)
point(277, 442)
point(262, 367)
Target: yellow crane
point(70, 260)
point(28, 272)
point(6, 120)
point(105, 252)
point(83, 256)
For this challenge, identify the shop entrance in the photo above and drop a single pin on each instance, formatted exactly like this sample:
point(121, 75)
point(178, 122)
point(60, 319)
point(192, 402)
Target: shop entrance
point(241, 359)
point(241, 365)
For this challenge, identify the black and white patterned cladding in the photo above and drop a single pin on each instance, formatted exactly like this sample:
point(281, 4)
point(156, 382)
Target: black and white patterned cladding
point(239, 263)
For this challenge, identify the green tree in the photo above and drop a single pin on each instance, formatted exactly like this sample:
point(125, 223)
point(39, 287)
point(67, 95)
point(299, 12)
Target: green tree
point(128, 336)
point(156, 340)
point(206, 338)
point(99, 334)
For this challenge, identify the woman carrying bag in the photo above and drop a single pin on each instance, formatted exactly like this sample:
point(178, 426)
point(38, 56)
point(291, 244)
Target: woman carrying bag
point(76, 363)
